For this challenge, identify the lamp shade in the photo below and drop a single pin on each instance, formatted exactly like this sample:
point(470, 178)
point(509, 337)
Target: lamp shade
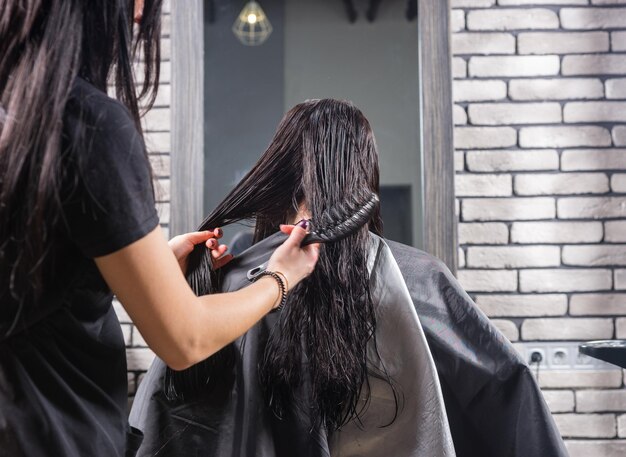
point(252, 26)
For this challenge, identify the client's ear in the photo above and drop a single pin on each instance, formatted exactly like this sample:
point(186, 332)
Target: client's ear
point(301, 213)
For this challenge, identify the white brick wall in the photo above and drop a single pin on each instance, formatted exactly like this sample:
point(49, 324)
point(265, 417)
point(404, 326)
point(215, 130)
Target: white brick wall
point(593, 64)
point(615, 231)
point(567, 329)
point(593, 18)
point(484, 185)
point(591, 208)
point(594, 159)
point(509, 66)
point(559, 401)
point(556, 232)
point(586, 425)
point(561, 183)
point(562, 42)
point(511, 19)
point(593, 448)
point(484, 43)
point(520, 113)
point(484, 137)
point(483, 233)
point(522, 305)
point(575, 112)
point(156, 124)
point(598, 304)
point(564, 136)
point(541, 184)
point(512, 256)
point(616, 88)
point(564, 280)
point(555, 89)
point(488, 280)
point(479, 90)
point(563, 379)
point(511, 160)
point(507, 209)
point(591, 401)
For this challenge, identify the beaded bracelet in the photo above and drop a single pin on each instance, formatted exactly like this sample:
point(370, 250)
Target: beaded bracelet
point(281, 286)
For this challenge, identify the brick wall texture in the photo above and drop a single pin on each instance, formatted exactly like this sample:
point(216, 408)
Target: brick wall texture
point(156, 125)
point(540, 154)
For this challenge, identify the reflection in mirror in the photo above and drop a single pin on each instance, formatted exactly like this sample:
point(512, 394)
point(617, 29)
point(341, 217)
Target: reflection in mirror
point(263, 58)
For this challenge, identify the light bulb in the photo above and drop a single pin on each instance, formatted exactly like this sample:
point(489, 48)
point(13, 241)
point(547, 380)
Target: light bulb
point(252, 26)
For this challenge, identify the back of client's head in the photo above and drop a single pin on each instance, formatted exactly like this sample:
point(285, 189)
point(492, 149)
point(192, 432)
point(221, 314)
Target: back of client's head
point(322, 154)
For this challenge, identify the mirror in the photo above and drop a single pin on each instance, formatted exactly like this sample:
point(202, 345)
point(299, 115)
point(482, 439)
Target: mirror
point(363, 51)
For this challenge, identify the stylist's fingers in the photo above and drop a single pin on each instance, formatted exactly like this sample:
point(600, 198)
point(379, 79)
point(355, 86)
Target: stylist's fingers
point(296, 236)
point(219, 251)
point(206, 236)
point(182, 245)
point(286, 229)
point(198, 237)
point(313, 249)
point(219, 263)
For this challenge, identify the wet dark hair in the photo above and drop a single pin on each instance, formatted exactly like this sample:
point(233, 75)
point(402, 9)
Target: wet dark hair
point(44, 45)
point(322, 153)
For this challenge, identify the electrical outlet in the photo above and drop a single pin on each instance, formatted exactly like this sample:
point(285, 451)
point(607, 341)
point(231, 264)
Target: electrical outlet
point(562, 355)
point(536, 356)
point(583, 360)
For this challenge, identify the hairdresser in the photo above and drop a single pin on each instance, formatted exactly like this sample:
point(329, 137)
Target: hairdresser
point(78, 223)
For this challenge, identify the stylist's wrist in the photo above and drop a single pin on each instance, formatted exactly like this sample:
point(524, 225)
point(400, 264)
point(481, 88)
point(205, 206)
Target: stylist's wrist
point(284, 279)
point(274, 290)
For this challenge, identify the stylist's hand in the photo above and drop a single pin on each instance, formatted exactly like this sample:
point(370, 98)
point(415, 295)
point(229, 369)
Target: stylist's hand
point(182, 245)
point(292, 260)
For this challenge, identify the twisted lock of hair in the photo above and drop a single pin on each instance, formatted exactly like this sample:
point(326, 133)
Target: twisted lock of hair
point(322, 152)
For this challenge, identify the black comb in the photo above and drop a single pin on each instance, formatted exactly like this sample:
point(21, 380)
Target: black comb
point(338, 222)
point(335, 224)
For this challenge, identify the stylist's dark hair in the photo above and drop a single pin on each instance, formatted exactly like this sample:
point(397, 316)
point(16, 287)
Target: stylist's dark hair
point(44, 45)
point(322, 153)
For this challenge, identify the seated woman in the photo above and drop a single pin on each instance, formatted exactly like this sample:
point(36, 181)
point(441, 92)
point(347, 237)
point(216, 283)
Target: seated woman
point(344, 369)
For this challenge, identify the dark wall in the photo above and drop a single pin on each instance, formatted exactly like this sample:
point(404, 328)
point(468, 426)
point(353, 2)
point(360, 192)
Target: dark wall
point(243, 96)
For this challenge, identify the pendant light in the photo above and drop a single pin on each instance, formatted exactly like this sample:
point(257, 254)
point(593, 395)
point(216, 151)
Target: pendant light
point(252, 26)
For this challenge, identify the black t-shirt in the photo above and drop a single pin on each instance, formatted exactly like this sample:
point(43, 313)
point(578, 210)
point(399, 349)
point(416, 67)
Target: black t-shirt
point(63, 372)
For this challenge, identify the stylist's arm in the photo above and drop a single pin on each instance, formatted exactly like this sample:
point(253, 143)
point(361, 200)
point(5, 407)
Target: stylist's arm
point(181, 328)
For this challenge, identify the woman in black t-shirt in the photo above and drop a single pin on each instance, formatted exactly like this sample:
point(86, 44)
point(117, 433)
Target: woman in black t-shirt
point(78, 223)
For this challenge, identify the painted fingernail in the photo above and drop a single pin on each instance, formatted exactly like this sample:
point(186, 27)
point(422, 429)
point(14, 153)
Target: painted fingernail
point(303, 223)
point(218, 232)
point(211, 243)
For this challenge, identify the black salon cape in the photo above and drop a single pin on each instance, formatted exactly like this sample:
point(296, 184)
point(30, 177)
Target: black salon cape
point(494, 407)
